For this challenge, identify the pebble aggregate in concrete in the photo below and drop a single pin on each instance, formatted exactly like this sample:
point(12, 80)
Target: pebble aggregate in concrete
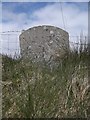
point(42, 42)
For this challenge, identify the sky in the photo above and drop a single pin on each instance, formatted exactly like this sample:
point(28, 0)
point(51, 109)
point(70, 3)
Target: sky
point(19, 15)
point(45, 0)
point(23, 15)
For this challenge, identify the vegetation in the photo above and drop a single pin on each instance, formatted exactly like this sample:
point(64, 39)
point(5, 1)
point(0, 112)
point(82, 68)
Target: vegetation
point(32, 91)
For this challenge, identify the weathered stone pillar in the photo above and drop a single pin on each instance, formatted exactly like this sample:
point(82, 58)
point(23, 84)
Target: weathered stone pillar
point(44, 43)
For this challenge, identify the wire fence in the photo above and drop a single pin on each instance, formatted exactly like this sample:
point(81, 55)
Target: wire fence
point(10, 45)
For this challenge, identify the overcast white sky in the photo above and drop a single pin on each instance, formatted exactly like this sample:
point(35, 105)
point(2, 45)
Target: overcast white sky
point(19, 15)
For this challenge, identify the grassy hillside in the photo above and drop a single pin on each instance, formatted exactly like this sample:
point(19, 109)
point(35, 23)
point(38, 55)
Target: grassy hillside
point(30, 90)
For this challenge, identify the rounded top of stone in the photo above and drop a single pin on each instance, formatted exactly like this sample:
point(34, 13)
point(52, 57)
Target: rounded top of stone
point(44, 27)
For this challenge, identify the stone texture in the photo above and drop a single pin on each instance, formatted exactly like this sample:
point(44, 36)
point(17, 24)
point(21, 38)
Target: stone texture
point(43, 43)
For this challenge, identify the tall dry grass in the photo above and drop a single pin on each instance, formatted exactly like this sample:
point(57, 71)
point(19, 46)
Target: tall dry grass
point(32, 91)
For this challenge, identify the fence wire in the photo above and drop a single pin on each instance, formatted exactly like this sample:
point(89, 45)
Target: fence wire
point(10, 45)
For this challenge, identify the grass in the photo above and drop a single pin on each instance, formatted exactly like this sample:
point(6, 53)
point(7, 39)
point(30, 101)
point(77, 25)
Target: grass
point(32, 91)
